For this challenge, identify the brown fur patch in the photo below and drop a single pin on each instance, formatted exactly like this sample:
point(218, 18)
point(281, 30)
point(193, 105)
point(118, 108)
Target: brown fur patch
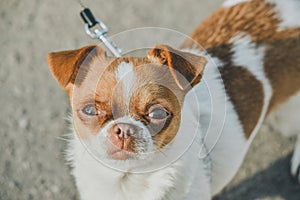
point(256, 18)
point(242, 88)
point(246, 94)
point(153, 94)
point(180, 63)
point(65, 65)
point(282, 67)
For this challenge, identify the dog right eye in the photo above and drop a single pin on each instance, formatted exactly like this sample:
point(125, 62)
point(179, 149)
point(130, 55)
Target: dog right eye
point(91, 110)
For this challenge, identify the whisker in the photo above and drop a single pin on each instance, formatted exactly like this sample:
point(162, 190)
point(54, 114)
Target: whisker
point(62, 138)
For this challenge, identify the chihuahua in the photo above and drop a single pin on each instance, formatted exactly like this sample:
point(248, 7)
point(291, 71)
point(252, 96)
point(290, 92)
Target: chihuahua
point(176, 124)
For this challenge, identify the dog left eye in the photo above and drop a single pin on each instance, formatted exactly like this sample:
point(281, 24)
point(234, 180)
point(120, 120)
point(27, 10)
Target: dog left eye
point(91, 110)
point(158, 114)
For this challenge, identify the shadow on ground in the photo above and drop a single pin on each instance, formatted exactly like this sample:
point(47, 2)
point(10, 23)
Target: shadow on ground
point(275, 182)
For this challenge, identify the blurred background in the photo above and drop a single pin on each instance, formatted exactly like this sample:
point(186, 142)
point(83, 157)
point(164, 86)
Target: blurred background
point(34, 108)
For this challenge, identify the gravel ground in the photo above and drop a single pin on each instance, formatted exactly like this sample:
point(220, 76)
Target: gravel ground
point(32, 118)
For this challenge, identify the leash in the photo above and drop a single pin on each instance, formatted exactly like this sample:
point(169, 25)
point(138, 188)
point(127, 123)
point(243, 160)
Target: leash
point(96, 29)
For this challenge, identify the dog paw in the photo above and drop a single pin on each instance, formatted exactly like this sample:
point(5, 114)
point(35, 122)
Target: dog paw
point(295, 163)
point(295, 171)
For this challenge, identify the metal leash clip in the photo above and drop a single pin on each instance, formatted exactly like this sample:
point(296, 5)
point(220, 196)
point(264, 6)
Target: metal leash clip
point(100, 32)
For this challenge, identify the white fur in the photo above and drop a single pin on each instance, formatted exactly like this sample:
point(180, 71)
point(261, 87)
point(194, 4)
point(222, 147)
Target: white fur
point(126, 76)
point(96, 181)
point(230, 3)
point(288, 13)
point(224, 133)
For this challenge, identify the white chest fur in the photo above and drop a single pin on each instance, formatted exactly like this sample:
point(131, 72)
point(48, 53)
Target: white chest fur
point(177, 181)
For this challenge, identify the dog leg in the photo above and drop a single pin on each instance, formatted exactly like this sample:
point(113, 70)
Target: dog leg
point(286, 121)
point(295, 163)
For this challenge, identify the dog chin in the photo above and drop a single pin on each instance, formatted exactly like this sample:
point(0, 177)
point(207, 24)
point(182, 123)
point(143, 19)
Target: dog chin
point(113, 153)
point(121, 155)
point(126, 161)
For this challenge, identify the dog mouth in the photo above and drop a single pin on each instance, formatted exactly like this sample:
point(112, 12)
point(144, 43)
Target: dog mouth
point(120, 154)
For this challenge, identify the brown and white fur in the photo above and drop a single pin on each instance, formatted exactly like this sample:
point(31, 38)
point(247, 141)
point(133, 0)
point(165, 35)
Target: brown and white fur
point(256, 45)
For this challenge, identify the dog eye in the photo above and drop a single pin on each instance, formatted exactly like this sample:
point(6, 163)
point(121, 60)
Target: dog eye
point(158, 114)
point(91, 110)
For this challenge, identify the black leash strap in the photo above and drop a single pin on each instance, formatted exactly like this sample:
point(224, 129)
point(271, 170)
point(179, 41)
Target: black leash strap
point(88, 17)
point(96, 29)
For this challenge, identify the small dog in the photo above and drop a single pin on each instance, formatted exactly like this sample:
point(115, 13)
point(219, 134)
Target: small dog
point(140, 123)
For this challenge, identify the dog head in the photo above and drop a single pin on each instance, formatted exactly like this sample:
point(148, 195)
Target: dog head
point(126, 107)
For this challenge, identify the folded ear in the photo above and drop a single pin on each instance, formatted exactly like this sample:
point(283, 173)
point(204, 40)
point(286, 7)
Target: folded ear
point(65, 65)
point(190, 66)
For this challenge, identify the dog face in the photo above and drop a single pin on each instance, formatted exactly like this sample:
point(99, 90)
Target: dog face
point(129, 107)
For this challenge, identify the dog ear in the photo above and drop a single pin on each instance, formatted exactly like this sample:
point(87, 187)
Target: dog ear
point(180, 63)
point(68, 66)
